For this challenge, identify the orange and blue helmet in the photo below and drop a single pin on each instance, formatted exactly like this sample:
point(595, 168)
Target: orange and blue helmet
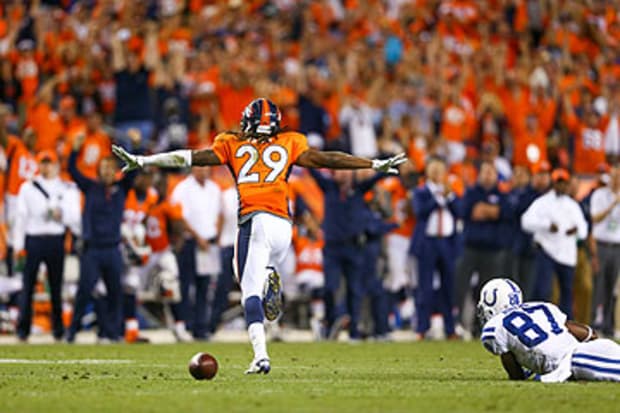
point(261, 117)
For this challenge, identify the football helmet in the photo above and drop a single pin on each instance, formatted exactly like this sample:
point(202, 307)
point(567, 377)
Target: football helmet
point(261, 117)
point(496, 296)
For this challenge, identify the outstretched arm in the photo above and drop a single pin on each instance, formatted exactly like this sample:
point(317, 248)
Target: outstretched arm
point(175, 159)
point(313, 158)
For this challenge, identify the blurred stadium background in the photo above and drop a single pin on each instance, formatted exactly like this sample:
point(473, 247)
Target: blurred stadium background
point(526, 86)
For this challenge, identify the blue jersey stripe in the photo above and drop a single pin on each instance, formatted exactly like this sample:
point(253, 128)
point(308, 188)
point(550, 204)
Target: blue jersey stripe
point(488, 330)
point(595, 358)
point(596, 368)
point(487, 337)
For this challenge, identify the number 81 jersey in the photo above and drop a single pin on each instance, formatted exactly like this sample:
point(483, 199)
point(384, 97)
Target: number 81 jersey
point(535, 333)
point(261, 170)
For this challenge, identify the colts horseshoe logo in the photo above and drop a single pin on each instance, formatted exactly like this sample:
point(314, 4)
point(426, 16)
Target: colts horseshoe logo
point(490, 303)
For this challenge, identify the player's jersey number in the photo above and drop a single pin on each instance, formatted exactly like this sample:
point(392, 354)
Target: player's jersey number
point(521, 325)
point(274, 157)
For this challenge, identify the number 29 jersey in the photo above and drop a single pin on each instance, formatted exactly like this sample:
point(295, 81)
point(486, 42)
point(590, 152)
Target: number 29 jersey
point(261, 170)
point(535, 333)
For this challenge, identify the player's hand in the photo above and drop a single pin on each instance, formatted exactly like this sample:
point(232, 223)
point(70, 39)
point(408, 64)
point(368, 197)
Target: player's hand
point(389, 165)
point(131, 161)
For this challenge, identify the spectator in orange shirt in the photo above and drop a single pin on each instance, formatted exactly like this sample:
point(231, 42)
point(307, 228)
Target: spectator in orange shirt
point(43, 119)
point(96, 146)
point(530, 144)
point(589, 144)
point(457, 125)
point(27, 70)
point(233, 94)
point(72, 124)
point(22, 167)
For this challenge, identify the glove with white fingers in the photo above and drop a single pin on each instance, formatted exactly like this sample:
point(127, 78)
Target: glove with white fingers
point(131, 161)
point(389, 165)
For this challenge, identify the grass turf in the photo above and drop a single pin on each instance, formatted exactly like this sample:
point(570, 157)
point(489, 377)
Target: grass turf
point(323, 377)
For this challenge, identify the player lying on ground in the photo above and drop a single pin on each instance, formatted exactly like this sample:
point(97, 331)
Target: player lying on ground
point(260, 157)
point(536, 338)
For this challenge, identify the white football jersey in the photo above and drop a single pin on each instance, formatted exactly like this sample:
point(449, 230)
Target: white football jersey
point(534, 332)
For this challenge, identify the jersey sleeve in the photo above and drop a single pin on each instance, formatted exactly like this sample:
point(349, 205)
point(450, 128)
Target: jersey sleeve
point(492, 337)
point(221, 148)
point(174, 211)
point(299, 145)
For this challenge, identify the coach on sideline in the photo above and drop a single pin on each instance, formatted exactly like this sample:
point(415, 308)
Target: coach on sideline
point(557, 221)
point(434, 244)
point(101, 232)
point(605, 210)
point(45, 206)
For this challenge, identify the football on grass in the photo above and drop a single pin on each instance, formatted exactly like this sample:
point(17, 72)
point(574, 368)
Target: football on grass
point(203, 366)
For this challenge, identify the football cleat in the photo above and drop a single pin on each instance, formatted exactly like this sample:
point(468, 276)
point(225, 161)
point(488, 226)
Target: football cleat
point(261, 366)
point(272, 295)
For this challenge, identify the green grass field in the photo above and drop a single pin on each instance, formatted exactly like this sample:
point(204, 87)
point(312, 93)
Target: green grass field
point(375, 377)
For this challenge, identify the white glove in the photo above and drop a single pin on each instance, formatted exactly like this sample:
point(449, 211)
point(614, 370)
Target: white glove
point(131, 161)
point(389, 165)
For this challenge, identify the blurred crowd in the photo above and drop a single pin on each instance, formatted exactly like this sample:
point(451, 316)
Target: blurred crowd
point(487, 98)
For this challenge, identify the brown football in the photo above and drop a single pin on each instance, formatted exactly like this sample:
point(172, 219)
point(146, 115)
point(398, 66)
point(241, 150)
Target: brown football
point(203, 366)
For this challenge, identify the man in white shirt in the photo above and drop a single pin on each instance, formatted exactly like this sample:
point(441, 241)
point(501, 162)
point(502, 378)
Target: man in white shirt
point(358, 120)
point(557, 222)
point(228, 234)
point(45, 206)
point(605, 210)
point(200, 199)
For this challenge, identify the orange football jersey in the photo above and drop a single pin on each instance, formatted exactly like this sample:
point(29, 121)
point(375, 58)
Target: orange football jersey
point(398, 195)
point(309, 253)
point(136, 210)
point(261, 169)
point(589, 145)
point(157, 224)
point(22, 165)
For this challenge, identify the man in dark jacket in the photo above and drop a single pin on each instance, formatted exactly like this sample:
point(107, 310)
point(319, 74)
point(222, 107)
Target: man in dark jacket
point(434, 244)
point(485, 213)
point(523, 245)
point(101, 233)
point(344, 226)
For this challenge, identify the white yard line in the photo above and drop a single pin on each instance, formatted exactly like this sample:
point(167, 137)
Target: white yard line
point(76, 361)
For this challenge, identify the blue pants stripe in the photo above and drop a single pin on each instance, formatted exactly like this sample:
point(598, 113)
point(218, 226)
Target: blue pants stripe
point(595, 358)
point(596, 368)
point(243, 243)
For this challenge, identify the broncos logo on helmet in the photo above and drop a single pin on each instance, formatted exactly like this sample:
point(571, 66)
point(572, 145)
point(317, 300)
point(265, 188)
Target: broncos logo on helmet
point(261, 117)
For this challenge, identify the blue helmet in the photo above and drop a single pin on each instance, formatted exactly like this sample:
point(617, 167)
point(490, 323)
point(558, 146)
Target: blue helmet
point(261, 117)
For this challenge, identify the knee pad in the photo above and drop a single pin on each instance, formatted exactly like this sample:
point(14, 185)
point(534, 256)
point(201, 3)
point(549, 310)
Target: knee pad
point(253, 309)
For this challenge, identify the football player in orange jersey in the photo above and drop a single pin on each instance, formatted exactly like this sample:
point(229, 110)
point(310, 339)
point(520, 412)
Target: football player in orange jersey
point(308, 244)
point(141, 198)
point(162, 218)
point(260, 157)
